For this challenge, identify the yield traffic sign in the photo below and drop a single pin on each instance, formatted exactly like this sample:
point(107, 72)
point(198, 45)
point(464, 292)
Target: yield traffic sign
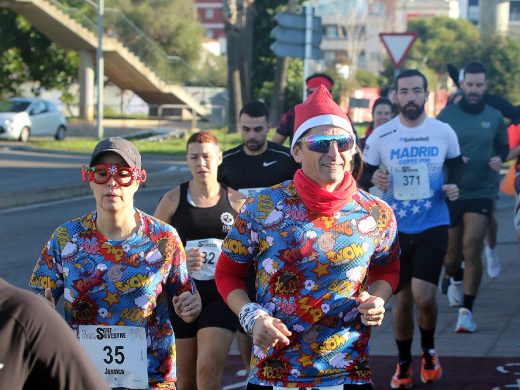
point(397, 45)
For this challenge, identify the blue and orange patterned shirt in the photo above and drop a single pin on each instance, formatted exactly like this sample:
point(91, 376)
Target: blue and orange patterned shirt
point(310, 271)
point(123, 282)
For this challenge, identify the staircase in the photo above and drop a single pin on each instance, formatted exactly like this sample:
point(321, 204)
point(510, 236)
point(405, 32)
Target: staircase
point(127, 68)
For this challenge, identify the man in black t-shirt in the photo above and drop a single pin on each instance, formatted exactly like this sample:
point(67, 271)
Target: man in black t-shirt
point(38, 350)
point(249, 167)
point(257, 163)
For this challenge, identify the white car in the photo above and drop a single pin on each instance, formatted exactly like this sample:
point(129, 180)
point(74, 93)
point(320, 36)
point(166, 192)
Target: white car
point(21, 118)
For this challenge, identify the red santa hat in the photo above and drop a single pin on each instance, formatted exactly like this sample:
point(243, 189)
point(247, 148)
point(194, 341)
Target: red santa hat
point(319, 109)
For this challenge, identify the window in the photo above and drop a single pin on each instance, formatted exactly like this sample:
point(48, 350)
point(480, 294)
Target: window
point(209, 13)
point(514, 11)
point(329, 57)
point(37, 107)
point(331, 32)
point(473, 11)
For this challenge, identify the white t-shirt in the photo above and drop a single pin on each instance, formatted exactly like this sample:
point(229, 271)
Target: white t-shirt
point(414, 157)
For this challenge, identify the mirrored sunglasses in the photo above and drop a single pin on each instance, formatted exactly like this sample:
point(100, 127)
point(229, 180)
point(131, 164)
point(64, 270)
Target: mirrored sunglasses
point(101, 173)
point(322, 143)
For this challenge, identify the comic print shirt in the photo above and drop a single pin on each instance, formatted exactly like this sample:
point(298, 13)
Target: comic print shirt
point(310, 270)
point(123, 283)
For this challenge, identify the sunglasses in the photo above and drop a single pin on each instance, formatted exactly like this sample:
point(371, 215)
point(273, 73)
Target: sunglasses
point(322, 143)
point(101, 173)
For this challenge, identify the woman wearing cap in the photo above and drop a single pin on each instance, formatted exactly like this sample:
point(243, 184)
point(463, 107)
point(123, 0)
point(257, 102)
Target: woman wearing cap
point(203, 212)
point(117, 268)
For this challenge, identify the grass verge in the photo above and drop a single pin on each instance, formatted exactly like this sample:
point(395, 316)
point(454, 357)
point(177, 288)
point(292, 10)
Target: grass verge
point(173, 146)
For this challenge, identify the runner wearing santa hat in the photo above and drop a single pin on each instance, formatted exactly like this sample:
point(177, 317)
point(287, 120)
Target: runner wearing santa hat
point(285, 128)
point(326, 261)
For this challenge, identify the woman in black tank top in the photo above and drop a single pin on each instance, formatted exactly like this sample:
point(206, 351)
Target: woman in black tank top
point(202, 211)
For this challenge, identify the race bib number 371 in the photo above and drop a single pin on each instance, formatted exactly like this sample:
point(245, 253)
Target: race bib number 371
point(411, 182)
point(119, 353)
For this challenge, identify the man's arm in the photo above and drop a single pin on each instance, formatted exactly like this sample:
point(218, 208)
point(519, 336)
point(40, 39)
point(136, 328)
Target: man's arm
point(501, 142)
point(366, 178)
point(278, 138)
point(513, 153)
point(455, 168)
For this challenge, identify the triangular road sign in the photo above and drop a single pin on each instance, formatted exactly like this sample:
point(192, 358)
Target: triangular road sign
point(397, 45)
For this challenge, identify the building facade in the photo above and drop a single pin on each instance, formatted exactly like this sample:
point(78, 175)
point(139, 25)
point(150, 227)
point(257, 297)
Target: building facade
point(211, 17)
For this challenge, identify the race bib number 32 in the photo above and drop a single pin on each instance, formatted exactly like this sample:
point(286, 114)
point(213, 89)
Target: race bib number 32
point(210, 249)
point(119, 353)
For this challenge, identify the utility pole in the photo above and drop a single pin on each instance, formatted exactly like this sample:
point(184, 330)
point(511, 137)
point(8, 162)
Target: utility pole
point(494, 18)
point(100, 70)
point(232, 25)
point(280, 81)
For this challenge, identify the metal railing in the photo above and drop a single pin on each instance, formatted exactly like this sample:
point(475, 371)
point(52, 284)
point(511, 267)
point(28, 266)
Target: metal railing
point(170, 69)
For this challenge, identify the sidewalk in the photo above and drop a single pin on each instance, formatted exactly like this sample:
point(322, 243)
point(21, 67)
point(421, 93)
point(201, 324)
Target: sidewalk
point(496, 310)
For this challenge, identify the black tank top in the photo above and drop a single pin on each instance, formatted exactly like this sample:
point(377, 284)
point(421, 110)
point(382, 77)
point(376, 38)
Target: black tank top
point(195, 223)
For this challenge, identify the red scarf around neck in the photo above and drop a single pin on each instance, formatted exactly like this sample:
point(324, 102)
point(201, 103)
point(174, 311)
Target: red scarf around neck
point(321, 201)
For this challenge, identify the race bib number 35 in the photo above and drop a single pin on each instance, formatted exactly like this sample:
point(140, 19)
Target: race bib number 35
point(119, 353)
point(411, 182)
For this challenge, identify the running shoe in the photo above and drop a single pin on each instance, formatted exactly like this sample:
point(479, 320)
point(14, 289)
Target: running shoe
point(492, 262)
point(455, 293)
point(402, 378)
point(431, 370)
point(465, 323)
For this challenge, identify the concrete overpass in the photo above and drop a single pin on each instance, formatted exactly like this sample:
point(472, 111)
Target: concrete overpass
point(122, 66)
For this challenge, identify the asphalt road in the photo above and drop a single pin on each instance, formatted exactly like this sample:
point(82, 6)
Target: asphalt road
point(31, 176)
point(25, 230)
point(488, 359)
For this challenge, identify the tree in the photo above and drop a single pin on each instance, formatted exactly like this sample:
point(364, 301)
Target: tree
point(170, 23)
point(364, 78)
point(502, 57)
point(27, 55)
point(440, 41)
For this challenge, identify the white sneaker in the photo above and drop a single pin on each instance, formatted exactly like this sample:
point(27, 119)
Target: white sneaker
point(465, 323)
point(455, 293)
point(492, 261)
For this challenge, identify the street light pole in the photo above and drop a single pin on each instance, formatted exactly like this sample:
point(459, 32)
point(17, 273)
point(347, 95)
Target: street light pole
point(100, 69)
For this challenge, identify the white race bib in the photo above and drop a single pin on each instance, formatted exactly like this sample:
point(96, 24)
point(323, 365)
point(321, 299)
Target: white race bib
point(119, 353)
point(211, 249)
point(250, 191)
point(411, 182)
point(302, 387)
